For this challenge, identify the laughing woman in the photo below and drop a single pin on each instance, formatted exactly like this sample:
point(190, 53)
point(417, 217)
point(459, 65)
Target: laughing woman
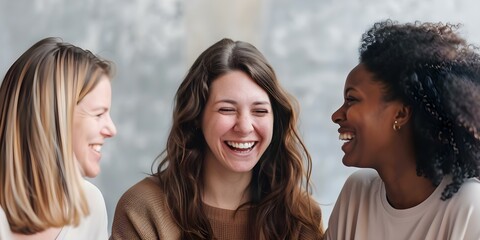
point(412, 114)
point(233, 167)
point(54, 117)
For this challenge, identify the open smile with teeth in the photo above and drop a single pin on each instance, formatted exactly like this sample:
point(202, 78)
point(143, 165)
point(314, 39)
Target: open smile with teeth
point(240, 146)
point(96, 147)
point(346, 136)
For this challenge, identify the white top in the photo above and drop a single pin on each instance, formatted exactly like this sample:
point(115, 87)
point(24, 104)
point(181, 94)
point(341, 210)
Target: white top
point(363, 212)
point(93, 227)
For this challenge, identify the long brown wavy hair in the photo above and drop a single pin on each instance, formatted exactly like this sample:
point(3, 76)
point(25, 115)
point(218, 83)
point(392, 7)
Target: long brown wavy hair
point(281, 202)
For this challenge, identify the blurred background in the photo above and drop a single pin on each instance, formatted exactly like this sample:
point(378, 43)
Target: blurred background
point(312, 45)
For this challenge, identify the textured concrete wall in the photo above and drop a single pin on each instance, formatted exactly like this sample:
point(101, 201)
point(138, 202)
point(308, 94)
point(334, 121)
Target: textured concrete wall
point(311, 44)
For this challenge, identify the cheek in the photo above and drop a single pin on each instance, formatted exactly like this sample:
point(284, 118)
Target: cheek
point(224, 124)
point(80, 153)
point(215, 127)
point(78, 140)
point(362, 118)
point(265, 128)
point(76, 136)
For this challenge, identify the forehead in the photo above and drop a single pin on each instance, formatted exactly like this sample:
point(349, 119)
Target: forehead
point(361, 79)
point(102, 91)
point(239, 84)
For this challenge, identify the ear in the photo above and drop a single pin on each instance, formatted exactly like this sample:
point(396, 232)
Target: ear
point(403, 114)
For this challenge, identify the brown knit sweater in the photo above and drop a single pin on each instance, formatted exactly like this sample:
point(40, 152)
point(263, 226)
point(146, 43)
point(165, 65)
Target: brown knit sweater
point(141, 213)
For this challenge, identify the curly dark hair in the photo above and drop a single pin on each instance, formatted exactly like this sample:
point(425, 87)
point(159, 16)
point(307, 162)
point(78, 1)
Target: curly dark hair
point(429, 67)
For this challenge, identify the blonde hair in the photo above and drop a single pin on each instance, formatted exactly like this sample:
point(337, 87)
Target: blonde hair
point(40, 182)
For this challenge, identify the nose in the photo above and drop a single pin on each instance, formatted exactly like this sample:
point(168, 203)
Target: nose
point(244, 124)
point(338, 115)
point(109, 130)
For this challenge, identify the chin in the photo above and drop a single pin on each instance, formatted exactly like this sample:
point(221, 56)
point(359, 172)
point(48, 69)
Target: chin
point(242, 169)
point(348, 163)
point(91, 173)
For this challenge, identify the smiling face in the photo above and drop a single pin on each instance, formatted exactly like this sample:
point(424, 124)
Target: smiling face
point(365, 120)
point(91, 126)
point(237, 123)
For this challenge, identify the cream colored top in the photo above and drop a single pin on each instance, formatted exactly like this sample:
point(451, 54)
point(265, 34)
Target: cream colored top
point(362, 211)
point(94, 226)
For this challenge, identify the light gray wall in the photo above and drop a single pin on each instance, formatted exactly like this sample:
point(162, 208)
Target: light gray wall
point(311, 44)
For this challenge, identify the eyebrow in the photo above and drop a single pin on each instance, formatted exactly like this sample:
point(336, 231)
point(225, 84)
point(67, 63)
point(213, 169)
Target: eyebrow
point(348, 90)
point(99, 108)
point(234, 102)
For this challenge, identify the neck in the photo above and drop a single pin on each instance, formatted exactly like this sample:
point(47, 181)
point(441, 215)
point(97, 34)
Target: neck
point(225, 190)
point(398, 171)
point(404, 188)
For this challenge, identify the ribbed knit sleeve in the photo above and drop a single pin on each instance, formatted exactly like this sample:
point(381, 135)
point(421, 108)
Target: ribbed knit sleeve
point(141, 213)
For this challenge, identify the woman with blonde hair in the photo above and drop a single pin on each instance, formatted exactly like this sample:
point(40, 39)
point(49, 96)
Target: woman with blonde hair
point(234, 166)
point(54, 117)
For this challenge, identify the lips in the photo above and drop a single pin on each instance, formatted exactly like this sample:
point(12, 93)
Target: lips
point(241, 146)
point(346, 136)
point(96, 147)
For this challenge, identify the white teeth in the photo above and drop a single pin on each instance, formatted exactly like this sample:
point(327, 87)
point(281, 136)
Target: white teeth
point(245, 145)
point(97, 147)
point(346, 136)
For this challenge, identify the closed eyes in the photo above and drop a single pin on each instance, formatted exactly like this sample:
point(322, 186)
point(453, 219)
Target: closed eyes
point(350, 100)
point(257, 112)
point(226, 110)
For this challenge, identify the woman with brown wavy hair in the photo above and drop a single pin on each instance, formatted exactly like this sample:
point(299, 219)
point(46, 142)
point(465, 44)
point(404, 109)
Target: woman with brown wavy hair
point(234, 164)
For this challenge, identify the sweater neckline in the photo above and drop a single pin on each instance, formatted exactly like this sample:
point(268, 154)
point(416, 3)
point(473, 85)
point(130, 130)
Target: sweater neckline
point(220, 214)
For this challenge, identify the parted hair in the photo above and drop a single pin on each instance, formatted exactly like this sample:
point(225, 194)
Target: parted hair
point(281, 201)
point(431, 68)
point(40, 182)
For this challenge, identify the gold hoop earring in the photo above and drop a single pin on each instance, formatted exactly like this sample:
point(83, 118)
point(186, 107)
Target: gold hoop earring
point(396, 127)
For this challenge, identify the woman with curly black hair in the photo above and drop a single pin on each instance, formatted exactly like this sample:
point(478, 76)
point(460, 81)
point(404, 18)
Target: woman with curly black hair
point(412, 114)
